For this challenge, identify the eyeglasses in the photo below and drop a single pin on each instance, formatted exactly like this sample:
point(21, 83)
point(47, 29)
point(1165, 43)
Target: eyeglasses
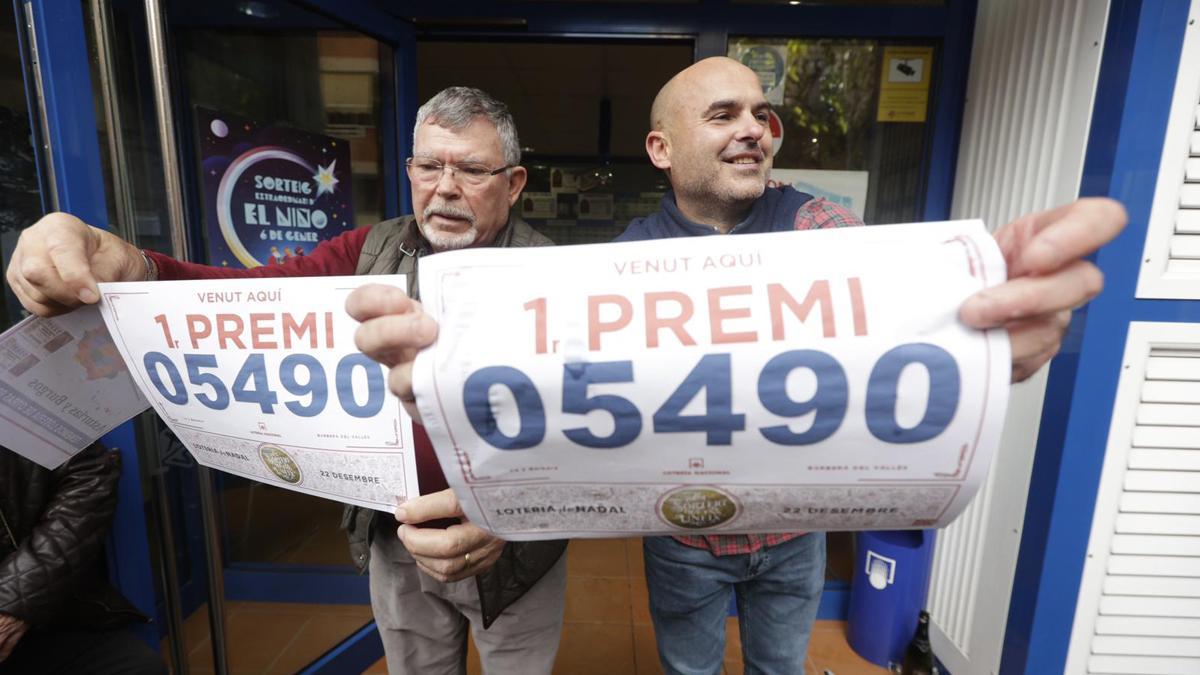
point(425, 170)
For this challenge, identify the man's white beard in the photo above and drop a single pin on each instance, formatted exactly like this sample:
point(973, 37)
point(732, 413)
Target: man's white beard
point(449, 241)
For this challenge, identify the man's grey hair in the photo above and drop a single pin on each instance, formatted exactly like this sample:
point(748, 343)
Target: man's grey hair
point(457, 107)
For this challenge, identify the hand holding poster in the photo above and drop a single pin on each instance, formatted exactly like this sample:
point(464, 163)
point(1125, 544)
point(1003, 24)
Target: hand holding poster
point(261, 378)
point(758, 383)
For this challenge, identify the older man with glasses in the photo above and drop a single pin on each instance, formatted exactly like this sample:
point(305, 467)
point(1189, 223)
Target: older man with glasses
point(436, 574)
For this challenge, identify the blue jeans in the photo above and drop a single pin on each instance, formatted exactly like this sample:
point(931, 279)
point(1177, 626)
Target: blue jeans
point(778, 590)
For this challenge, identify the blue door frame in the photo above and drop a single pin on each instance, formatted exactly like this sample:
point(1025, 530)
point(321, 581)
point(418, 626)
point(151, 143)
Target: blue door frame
point(73, 154)
point(1133, 100)
point(76, 156)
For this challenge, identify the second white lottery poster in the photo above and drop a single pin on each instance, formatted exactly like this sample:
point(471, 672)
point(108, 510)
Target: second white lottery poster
point(261, 378)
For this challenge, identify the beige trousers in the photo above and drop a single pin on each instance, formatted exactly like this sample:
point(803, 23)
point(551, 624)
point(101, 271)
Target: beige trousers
point(423, 622)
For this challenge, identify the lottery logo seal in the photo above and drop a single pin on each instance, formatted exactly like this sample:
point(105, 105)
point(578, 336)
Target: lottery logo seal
point(281, 464)
point(698, 507)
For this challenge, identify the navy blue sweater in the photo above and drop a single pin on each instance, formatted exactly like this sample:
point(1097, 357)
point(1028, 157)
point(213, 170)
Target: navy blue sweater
point(775, 211)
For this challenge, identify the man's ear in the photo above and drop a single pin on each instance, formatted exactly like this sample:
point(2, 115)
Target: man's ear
point(659, 149)
point(516, 183)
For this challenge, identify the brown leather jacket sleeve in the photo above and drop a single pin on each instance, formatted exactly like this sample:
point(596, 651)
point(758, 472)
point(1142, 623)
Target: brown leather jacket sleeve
point(60, 524)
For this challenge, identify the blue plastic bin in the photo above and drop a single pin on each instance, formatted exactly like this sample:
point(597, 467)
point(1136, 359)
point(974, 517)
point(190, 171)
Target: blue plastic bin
point(891, 580)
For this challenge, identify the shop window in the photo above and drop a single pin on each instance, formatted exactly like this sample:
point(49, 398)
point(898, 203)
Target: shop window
point(852, 119)
point(322, 82)
point(582, 112)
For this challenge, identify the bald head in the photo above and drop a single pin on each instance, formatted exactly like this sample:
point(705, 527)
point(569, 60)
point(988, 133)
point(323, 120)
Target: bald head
point(710, 134)
point(699, 78)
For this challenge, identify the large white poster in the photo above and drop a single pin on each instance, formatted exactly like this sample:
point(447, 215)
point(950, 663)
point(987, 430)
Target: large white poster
point(261, 378)
point(777, 382)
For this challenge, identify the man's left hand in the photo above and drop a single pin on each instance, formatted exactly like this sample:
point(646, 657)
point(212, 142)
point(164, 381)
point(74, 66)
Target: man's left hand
point(11, 630)
point(457, 552)
point(1047, 278)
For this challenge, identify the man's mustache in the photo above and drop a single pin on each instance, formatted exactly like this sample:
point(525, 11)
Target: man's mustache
point(448, 211)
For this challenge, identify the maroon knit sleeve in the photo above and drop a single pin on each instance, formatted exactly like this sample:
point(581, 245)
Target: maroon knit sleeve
point(334, 257)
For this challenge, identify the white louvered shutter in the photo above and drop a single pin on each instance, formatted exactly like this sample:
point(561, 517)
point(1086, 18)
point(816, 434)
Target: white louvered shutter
point(1139, 601)
point(1171, 262)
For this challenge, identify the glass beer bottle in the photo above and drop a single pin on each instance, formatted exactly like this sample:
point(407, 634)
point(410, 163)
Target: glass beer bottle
point(918, 658)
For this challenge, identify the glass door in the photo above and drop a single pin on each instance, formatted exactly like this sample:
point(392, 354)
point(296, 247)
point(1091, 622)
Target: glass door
point(249, 577)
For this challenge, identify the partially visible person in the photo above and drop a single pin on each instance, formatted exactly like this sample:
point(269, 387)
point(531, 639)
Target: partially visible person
point(437, 573)
point(709, 133)
point(58, 614)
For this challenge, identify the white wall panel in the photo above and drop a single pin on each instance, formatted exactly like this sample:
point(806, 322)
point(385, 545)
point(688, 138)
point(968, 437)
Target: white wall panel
point(1140, 544)
point(1152, 502)
point(1169, 413)
point(1159, 646)
point(1169, 268)
point(1155, 586)
point(1150, 607)
point(1172, 368)
point(1143, 665)
point(1147, 565)
point(1137, 625)
point(1161, 481)
point(1034, 67)
point(1138, 608)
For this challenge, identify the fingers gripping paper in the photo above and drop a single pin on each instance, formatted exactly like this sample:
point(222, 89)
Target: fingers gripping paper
point(755, 383)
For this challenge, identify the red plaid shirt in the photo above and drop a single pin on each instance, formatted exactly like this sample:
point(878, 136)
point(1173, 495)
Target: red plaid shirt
point(817, 214)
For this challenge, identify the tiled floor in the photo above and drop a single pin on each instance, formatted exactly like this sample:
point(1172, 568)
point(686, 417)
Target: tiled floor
point(607, 626)
point(270, 638)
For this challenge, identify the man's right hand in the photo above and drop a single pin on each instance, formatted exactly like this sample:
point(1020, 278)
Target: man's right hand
point(60, 259)
point(11, 630)
point(394, 328)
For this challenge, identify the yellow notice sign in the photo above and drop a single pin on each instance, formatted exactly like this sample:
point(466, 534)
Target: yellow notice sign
point(904, 84)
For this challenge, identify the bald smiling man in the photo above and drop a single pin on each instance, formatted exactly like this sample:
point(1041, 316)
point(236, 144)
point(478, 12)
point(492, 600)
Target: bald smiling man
point(709, 133)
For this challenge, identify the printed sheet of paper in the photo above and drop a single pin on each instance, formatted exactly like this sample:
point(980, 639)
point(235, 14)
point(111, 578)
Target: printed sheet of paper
point(261, 378)
point(62, 386)
point(756, 383)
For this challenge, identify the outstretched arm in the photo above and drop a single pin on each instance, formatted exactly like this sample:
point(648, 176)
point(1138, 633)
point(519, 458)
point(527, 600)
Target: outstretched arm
point(60, 259)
